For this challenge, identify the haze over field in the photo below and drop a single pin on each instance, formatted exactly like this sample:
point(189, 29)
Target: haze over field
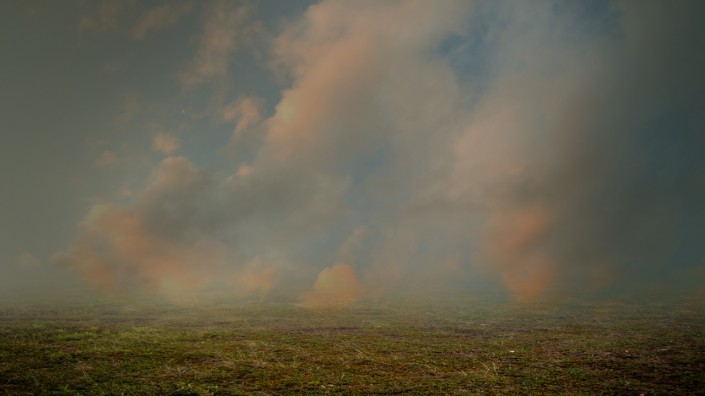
point(344, 150)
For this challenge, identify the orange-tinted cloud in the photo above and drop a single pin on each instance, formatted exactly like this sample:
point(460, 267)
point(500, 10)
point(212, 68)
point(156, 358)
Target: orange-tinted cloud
point(255, 277)
point(165, 143)
point(117, 253)
point(246, 111)
point(160, 243)
point(512, 246)
point(541, 158)
point(335, 287)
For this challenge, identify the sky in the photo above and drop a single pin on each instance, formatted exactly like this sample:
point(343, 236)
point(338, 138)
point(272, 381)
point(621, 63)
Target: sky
point(339, 151)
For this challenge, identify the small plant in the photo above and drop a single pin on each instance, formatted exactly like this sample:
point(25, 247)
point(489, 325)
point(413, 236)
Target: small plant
point(188, 388)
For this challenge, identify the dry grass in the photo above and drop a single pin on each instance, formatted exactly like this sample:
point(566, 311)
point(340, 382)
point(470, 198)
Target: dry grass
point(458, 346)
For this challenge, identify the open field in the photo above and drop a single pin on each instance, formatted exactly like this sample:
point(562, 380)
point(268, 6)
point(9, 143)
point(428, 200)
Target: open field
point(449, 346)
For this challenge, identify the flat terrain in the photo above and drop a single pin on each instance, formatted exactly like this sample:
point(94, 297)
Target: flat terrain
point(456, 345)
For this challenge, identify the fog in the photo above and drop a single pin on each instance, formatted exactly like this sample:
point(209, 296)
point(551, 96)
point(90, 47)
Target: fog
point(339, 153)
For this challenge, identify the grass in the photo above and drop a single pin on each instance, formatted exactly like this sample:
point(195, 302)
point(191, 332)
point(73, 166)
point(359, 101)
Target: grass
point(457, 346)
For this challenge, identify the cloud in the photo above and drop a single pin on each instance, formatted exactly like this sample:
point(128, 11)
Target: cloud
point(256, 277)
point(348, 250)
point(227, 25)
point(112, 67)
point(27, 260)
point(106, 160)
point(548, 177)
point(163, 242)
point(362, 89)
point(573, 150)
point(335, 287)
point(350, 96)
point(165, 143)
point(104, 17)
point(246, 110)
point(117, 253)
point(544, 147)
point(346, 98)
point(131, 106)
point(109, 16)
point(159, 18)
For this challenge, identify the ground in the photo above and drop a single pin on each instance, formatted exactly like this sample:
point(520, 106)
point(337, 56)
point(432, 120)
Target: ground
point(458, 345)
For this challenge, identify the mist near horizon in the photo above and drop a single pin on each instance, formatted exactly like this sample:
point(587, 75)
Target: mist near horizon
point(339, 154)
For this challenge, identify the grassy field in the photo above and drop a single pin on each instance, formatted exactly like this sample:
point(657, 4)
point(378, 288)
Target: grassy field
point(456, 345)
